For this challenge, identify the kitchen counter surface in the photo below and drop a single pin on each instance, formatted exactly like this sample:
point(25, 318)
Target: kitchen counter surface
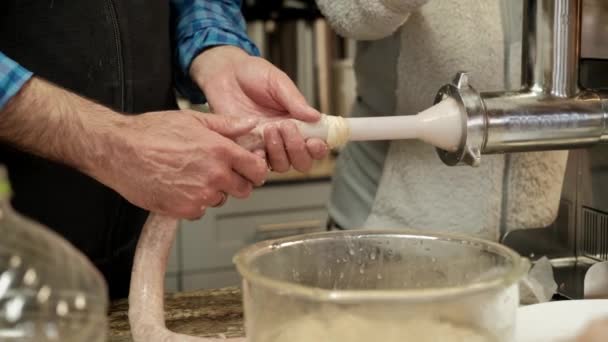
point(205, 313)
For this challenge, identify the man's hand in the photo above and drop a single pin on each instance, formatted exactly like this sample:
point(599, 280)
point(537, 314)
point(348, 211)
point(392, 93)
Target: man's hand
point(174, 163)
point(240, 85)
point(597, 331)
point(178, 163)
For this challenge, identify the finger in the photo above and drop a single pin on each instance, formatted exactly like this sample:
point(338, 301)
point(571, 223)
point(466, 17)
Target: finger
point(228, 126)
point(222, 201)
point(237, 186)
point(192, 213)
point(213, 199)
point(317, 148)
point(277, 156)
point(288, 96)
point(250, 166)
point(295, 146)
point(260, 153)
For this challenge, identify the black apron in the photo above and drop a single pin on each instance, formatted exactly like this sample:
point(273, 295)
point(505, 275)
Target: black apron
point(118, 53)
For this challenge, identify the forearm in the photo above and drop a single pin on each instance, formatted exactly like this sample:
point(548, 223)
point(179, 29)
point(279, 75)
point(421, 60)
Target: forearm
point(55, 124)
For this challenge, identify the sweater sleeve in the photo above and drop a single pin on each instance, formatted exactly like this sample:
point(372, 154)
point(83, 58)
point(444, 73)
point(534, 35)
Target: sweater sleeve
point(367, 19)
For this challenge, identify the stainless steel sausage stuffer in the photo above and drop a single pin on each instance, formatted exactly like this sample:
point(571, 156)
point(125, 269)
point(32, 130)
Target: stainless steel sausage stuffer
point(562, 104)
point(551, 111)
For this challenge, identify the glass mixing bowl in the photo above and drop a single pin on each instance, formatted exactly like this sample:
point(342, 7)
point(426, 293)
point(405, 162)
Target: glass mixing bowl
point(385, 286)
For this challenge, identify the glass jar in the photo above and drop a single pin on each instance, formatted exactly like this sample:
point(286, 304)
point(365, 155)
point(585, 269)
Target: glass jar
point(49, 291)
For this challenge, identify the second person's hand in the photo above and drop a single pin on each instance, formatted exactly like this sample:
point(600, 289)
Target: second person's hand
point(241, 85)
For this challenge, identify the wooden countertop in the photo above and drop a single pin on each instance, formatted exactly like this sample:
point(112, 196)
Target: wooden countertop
point(205, 313)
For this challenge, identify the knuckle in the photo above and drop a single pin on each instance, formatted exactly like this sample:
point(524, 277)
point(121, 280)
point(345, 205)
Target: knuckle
point(288, 128)
point(207, 197)
point(219, 150)
point(217, 176)
point(243, 159)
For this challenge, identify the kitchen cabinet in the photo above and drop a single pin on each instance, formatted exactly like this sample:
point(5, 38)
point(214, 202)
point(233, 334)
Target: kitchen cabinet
point(202, 254)
point(171, 283)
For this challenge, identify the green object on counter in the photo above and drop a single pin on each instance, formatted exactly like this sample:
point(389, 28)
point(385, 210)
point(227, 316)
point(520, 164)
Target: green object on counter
point(5, 189)
point(5, 185)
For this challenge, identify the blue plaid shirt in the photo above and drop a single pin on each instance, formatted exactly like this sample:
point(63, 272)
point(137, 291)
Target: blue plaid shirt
point(197, 25)
point(200, 24)
point(12, 78)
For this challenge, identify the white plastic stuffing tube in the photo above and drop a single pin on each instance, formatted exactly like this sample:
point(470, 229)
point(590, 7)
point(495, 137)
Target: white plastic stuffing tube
point(440, 125)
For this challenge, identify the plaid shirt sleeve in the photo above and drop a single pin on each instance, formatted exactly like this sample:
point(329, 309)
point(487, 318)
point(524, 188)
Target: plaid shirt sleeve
point(200, 24)
point(12, 78)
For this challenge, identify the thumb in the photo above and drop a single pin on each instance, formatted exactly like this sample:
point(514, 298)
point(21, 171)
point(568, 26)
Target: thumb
point(228, 126)
point(290, 98)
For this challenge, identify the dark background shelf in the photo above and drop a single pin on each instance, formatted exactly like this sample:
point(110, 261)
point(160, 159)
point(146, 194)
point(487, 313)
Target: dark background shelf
point(280, 10)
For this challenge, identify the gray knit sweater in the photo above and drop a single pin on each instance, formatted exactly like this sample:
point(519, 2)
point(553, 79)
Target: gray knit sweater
point(411, 48)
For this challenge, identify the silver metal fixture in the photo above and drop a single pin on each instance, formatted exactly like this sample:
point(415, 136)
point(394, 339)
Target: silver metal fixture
point(551, 111)
point(563, 104)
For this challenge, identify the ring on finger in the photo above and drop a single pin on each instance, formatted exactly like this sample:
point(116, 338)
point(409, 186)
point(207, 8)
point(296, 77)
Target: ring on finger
point(222, 200)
